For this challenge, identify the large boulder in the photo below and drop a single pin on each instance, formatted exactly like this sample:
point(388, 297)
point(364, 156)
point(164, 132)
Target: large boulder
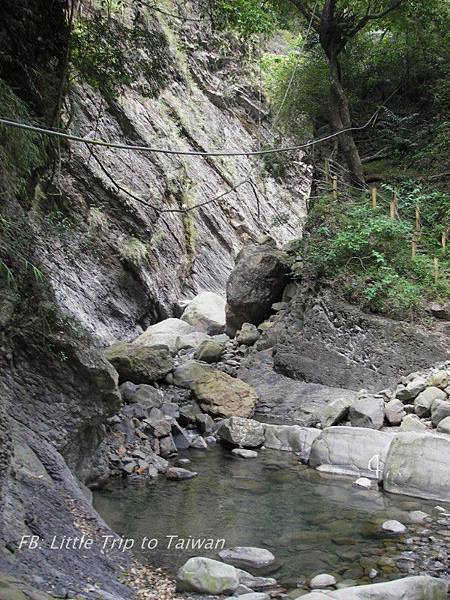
point(256, 282)
point(410, 588)
point(164, 333)
point(144, 394)
point(207, 576)
point(354, 451)
point(291, 438)
point(191, 340)
point(414, 384)
point(367, 411)
point(206, 312)
point(248, 334)
point(417, 464)
point(246, 433)
point(139, 364)
point(220, 395)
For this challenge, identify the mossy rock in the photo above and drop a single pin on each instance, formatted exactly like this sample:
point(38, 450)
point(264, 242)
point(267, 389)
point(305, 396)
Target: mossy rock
point(209, 351)
point(139, 364)
point(220, 395)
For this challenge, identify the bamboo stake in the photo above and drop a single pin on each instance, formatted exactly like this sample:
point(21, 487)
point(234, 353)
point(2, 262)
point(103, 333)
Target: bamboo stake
point(392, 209)
point(335, 187)
point(374, 197)
point(444, 240)
point(435, 269)
point(417, 218)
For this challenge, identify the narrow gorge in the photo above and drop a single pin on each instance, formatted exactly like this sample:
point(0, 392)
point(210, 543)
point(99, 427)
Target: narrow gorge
point(200, 395)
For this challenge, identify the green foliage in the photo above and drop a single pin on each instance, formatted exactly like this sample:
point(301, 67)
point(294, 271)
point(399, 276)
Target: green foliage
point(134, 251)
point(248, 17)
point(15, 240)
point(21, 152)
point(110, 56)
point(366, 256)
point(296, 85)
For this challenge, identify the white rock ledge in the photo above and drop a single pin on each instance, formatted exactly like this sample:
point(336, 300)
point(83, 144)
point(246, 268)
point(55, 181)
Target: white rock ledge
point(410, 588)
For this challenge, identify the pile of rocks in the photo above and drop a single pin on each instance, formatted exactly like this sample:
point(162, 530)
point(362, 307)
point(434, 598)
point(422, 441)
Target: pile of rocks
point(149, 430)
point(420, 403)
point(208, 576)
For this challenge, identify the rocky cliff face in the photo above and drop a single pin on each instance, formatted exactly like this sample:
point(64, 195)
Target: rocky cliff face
point(125, 257)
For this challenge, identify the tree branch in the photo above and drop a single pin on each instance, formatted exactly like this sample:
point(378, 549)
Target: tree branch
point(375, 16)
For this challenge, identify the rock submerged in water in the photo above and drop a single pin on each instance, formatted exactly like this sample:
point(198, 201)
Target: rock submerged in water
point(393, 526)
point(207, 576)
point(221, 395)
point(322, 581)
point(244, 453)
point(139, 364)
point(180, 474)
point(247, 557)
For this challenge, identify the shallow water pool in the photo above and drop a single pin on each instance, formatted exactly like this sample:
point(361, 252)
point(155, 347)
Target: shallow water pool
point(310, 522)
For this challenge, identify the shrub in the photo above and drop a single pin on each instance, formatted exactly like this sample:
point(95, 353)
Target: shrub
point(366, 256)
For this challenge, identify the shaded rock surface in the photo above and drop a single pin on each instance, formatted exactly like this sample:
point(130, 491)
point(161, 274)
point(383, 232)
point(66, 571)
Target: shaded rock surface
point(323, 340)
point(286, 400)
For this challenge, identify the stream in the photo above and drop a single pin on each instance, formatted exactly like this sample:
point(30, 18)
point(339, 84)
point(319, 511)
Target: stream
point(312, 523)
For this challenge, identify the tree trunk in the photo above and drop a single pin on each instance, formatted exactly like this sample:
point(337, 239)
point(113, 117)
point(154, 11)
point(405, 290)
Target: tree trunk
point(341, 119)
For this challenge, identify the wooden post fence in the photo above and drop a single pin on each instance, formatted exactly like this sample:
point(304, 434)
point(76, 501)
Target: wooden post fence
point(417, 218)
point(374, 197)
point(335, 187)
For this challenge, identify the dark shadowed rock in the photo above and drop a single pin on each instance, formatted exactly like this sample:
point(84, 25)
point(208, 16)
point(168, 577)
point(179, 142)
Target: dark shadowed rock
point(256, 282)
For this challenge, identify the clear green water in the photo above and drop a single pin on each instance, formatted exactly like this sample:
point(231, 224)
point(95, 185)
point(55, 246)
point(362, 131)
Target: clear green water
point(311, 523)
